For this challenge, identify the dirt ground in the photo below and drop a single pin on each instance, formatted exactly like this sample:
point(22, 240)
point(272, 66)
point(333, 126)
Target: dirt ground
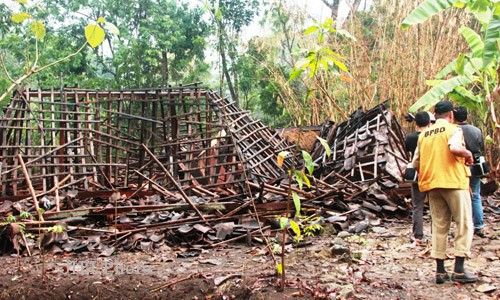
point(379, 264)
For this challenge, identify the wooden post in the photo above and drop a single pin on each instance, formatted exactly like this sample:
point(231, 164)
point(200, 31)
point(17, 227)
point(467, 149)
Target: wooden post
point(30, 186)
point(175, 183)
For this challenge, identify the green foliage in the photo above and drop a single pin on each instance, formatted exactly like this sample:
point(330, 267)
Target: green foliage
point(296, 203)
point(438, 91)
point(308, 162)
point(473, 73)
point(11, 219)
point(56, 229)
point(491, 38)
point(312, 229)
point(325, 145)
point(473, 40)
point(424, 11)
point(25, 215)
point(283, 222)
point(321, 57)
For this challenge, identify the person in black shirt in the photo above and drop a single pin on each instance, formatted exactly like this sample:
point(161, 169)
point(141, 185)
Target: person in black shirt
point(423, 120)
point(474, 143)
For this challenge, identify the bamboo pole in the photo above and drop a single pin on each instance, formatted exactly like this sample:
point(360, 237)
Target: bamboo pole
point(30, 187)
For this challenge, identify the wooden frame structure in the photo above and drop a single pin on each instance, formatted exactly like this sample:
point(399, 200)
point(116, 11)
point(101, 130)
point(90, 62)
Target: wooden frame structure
point(101, 140)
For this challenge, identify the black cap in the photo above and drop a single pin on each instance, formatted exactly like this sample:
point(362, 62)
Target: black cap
point(443, 106)
point(460, 114)
point(422, 119)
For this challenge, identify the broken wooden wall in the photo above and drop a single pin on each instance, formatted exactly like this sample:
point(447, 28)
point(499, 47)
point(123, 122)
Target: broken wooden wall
point(96, 138)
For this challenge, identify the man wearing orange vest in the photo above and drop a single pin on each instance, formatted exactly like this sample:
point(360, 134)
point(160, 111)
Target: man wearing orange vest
point(441, 160)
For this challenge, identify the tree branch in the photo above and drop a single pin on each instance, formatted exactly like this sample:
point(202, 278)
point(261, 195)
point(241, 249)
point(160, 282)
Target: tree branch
point(4, 67)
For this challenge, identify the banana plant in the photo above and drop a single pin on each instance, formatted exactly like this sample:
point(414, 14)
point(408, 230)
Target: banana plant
point(469, 78)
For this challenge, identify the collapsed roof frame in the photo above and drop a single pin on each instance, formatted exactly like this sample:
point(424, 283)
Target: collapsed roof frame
point(96, 137)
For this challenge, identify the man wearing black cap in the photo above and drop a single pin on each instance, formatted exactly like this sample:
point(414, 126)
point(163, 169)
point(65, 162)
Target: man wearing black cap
point(423, 120)
point(474, 143)
point(441, 160)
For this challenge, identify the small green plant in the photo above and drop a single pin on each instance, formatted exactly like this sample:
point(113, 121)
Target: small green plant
point(312, 230)
point(56, 229)
point(24, 215)
point(298, 222)
point(11, 219)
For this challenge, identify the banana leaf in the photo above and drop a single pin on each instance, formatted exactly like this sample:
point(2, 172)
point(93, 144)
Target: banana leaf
point(424, 11)
point(473, 40)
point(437, 92)
point(490, 41)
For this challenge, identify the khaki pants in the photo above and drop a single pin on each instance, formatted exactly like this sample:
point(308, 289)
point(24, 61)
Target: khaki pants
point(447, 205)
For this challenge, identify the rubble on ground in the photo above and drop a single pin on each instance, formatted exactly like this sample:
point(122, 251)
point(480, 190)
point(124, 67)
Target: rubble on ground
point(86, 170)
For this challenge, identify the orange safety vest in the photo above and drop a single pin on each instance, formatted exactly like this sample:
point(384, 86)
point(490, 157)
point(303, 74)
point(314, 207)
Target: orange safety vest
point(438, 167)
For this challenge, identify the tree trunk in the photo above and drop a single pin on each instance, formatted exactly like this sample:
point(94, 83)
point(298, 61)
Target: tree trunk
point(353, 8)
point(224, 61)
point(334, 6)
point(164, 68)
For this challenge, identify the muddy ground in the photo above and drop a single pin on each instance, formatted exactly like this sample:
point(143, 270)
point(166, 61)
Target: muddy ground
point(379, 264)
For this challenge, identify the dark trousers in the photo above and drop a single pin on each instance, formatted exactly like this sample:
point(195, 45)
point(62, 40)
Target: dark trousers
point(417, 199)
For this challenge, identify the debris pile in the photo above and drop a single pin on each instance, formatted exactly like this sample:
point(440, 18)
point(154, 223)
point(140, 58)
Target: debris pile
point(367, 157)
point(97, 171)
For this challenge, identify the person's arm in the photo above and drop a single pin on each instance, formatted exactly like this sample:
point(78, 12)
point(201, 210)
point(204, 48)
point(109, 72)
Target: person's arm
point(481, 143)
point(416, 158)
point(457, 146)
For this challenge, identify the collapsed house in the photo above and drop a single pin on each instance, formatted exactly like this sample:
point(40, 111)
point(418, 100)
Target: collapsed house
point(368, 150)
point(140, 168)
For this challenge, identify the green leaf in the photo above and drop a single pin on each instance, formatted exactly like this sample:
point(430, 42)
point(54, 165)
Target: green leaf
point(279, 268)
point(496, 10)
point(433, 82)
point(473, 40)
point(20, 17)
point(308, 162)
point(311, 29)
point(465, 93)
point(446, 70)
point(306, 179)
point(424, 11)
point(295, 228)
point(459, 67)
point(22, 2)
point(298, 178)
point(11, 218)
point(56, 229)
point(295, 73)
point(325, 145)
point(328, 23)
point(484, 17)
point(38, 29)
point(472, 65)
point(94, 35)
point(346, 34)
point(437, 92)
point(459, 4)
point(101, 20)
point(491, 36)
point(283, 222)
point(24, 215)
point(296, 203)
point(218, 14)
point(479, 5)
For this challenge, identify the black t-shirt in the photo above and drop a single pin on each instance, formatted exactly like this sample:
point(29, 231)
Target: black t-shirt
point(411, 142)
